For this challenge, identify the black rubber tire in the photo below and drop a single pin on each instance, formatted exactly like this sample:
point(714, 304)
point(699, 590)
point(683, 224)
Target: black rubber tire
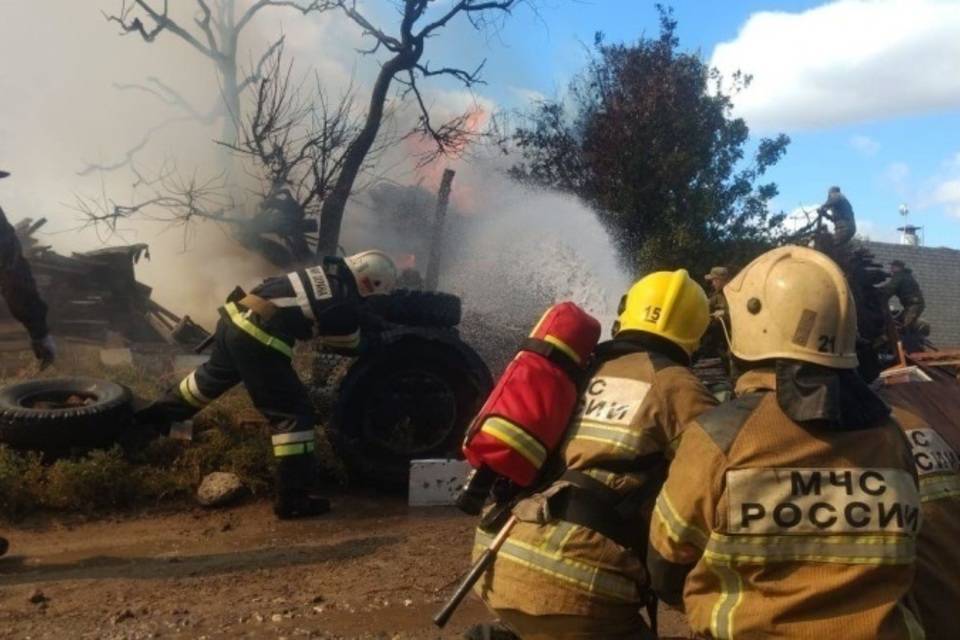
point(96, 424)
point(427, 380)
point(414, 308)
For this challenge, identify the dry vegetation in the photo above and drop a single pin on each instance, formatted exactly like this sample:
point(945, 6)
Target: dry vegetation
point(139, 472)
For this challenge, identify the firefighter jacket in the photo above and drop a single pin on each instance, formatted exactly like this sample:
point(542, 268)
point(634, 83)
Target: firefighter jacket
point(631, 412)
point(17, 285)
point(904, 286)
point(787, 529)
point(927, 412)
point(320, 301)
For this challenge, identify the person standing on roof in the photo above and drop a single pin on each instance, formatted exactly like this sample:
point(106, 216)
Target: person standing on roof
point(254, 343)
point(573, 567)
point(905, 288)
point(19, 290)
point(839, 211)
point(793, 510)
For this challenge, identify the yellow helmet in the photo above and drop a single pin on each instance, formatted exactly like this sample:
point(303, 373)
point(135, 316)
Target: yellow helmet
point(793, 302)
point(668, 304)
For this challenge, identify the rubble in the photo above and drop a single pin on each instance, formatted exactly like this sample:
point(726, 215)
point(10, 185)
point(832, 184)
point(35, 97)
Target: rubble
point(94, 298)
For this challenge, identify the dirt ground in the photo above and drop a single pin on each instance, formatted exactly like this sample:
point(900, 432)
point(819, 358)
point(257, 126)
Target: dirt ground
point(373, 568)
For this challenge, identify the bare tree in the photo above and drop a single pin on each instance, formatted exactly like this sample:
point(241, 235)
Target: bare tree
point(215, 33)
point(404, 65)
point(292, 141)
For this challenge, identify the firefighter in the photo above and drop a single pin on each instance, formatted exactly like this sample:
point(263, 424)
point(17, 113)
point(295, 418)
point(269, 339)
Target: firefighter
point(839, 211)
point(573, 567)
point(714, 341)
point(793, 510)
point(926, 412)
point(254, 344)
point(904, 286)
point(20, 292)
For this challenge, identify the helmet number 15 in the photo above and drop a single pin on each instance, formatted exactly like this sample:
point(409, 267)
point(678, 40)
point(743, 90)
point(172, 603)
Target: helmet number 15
point(651, 314)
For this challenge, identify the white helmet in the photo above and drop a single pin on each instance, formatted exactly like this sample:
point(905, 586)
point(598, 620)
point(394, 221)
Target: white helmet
point(793, 302)
point(373, 271)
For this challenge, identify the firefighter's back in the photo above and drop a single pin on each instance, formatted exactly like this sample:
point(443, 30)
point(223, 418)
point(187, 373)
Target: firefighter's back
point(814, 530)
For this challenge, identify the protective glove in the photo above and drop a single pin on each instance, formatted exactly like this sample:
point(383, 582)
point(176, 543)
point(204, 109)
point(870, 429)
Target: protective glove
point(45, 350)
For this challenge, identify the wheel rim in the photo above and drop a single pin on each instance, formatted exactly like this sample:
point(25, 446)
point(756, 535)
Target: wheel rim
point(409, 412)
point(58, 399)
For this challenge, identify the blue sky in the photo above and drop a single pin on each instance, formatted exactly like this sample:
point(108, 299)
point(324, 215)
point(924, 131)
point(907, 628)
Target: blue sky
point(868, 90)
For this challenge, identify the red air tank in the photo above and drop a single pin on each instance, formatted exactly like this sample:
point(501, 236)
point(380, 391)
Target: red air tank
point(527, 414)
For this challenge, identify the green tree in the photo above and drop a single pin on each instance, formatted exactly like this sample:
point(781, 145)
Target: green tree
point(647, 138)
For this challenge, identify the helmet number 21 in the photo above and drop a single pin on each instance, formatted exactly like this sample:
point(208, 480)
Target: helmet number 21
point(828, 344)
point(651, 314)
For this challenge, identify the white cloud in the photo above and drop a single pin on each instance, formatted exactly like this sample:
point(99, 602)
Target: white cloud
point(897, 177)
point(947, 194)
point(865, 145)
point(846, 61)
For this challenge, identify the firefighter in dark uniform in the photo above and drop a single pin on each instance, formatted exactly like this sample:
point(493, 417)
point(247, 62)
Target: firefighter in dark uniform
point(253, 344)
point(20, 292)
point(904, 286)
point(838, 210)
point(714, 342)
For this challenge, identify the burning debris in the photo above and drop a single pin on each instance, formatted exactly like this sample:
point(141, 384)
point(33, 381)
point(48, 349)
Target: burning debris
point(95, 298)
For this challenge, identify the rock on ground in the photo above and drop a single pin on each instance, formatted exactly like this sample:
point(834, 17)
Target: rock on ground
point(219, 489)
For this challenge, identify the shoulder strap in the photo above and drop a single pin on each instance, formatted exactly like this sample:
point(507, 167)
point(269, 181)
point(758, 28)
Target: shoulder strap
point(556, 356)
point(723, 423)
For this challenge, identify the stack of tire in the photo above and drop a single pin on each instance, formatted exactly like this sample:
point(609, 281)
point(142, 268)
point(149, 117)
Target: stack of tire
point(412, 392)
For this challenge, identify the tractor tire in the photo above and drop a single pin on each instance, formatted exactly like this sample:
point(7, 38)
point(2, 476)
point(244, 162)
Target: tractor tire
point(411, 398)
point(57, 423)
point(414, 308)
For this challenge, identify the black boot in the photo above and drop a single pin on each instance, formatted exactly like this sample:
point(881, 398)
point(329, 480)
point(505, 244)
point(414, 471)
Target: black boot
point(291, 504)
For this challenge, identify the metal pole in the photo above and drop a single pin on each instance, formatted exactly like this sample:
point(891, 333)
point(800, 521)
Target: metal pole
point(436, 240)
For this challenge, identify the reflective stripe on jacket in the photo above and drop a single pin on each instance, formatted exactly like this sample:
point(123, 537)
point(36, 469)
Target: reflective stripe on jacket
point(634, 405)
point(788, 530)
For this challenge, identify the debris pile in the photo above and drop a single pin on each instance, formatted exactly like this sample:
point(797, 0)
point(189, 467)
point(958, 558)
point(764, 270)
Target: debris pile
point(95, 298)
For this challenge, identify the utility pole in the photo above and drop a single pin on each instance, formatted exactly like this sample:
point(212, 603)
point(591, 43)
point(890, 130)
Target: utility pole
point(436, 240)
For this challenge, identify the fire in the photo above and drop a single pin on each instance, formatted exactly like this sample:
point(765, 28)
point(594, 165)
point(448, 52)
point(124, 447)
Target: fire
point(463, 195)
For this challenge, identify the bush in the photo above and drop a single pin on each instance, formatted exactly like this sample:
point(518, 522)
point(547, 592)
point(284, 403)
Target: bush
point(140, 472)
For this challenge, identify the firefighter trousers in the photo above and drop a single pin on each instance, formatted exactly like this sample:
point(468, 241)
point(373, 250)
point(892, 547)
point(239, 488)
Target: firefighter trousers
point(630, 626)
point(244, 352)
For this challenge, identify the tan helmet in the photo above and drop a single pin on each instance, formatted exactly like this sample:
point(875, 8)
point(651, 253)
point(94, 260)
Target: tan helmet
point(793, 302)
point(374, 272)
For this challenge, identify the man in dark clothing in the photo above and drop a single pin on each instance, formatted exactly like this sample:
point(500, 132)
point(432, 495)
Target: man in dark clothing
point(904, 286)
point(838, 210)
point(20, 292)
point(253, 344)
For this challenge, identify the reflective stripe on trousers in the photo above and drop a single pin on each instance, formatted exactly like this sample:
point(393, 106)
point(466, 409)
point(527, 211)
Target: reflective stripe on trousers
point(293, 444)
point(547, 558)
point(190, 392)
